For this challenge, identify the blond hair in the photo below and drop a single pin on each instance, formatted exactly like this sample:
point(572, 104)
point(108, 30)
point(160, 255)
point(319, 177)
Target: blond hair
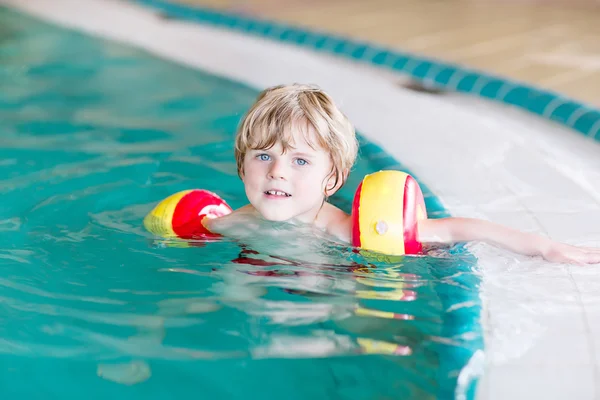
point(279, 109)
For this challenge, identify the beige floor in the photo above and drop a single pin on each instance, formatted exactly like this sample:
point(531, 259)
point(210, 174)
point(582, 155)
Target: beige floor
point(540, 42)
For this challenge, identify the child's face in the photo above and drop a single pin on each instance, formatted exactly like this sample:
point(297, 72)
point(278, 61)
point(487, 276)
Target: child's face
point(291, 185)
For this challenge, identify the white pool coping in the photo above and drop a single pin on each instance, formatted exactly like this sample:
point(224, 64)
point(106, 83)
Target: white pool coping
point(542, 321)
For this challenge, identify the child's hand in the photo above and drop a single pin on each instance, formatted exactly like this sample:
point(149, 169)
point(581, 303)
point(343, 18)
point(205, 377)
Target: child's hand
point(564, 253)
point(448, 230)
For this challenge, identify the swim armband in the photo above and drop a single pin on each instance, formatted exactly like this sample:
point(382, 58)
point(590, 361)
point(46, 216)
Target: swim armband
point(182, 214)
point(385, 213)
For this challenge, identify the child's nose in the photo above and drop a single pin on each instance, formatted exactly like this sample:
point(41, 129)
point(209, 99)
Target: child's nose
point(277, 171)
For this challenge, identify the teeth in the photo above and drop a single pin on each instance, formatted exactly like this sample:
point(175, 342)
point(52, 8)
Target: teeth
point(277, 193)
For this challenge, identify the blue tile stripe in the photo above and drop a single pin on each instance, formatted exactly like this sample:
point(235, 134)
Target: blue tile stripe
point(582, 118)
point(379, 159)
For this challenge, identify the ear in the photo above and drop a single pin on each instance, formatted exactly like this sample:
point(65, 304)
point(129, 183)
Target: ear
point(241, 173)
point(331, 187)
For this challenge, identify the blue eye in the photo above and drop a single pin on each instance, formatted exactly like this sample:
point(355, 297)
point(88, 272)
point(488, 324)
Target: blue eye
point(301, 161)
point(264, 157)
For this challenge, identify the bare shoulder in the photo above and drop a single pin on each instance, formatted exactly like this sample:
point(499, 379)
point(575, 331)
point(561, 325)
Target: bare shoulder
point(335, 222)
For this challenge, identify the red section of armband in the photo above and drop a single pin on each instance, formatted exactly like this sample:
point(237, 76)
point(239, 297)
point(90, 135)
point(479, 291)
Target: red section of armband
point(192, 209)
point(355, 217)
point(414, 205)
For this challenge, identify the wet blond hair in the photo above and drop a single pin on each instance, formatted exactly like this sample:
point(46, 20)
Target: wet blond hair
point(280, 109)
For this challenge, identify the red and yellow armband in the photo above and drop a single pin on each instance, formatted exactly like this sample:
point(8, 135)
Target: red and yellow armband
point(182, 214)
point(385, 213)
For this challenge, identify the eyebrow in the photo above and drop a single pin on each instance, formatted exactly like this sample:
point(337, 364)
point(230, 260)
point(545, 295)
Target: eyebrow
point(296, 153)
point(305, 155)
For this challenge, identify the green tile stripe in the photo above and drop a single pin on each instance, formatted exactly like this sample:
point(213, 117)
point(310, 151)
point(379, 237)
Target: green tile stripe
point(379, 159)
point(553, 106)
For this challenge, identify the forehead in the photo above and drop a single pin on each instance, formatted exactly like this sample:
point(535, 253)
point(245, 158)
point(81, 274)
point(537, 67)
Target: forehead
point(303, 137)
point(298, 136)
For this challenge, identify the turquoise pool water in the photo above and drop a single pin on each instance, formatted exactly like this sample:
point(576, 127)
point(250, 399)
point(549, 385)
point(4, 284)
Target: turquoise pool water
point(93, 134)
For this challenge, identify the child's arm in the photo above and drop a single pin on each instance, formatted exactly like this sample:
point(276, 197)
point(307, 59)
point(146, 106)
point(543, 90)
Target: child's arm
point(449, 230)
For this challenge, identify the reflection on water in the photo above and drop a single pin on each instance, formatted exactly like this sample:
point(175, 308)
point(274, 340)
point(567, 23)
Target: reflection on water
point(93, 135)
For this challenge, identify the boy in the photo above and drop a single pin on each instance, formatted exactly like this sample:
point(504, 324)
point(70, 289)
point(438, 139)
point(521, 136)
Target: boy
point(295, 148)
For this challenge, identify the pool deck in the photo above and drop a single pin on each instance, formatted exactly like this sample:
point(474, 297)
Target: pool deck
point(542, 320)
point(548, 44)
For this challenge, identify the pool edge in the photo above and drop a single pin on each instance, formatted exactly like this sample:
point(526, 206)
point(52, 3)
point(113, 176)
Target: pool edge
point(576, 115)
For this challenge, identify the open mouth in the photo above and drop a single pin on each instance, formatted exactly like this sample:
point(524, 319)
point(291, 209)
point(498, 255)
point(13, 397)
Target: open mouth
point(277, 193)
